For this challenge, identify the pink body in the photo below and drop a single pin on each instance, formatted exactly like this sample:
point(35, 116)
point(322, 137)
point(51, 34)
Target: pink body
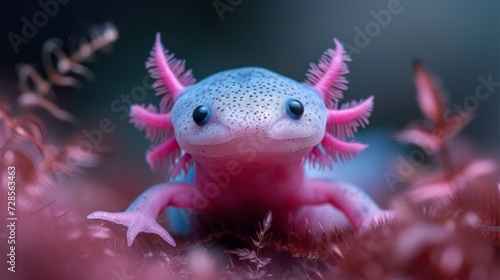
point(248, 134)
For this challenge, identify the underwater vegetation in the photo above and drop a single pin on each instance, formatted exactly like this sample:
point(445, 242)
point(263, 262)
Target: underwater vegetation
point(447, 223)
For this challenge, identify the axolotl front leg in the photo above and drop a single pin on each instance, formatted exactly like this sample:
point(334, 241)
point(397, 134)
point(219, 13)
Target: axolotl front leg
point(141, 215)
point(355, 204)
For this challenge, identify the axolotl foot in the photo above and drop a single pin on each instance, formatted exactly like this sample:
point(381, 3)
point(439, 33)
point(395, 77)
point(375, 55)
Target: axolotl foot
point(136, 222)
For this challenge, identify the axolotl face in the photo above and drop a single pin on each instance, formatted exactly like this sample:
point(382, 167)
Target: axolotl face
point(249, 111)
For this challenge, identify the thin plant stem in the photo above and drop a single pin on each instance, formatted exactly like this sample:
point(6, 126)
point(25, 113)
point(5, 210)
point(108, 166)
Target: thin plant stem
point(444, 154)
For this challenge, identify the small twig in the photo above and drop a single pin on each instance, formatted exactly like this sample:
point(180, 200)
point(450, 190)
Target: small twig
point(254, 256)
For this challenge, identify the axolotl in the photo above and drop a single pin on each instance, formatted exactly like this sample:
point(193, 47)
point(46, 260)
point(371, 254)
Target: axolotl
point(248, 135)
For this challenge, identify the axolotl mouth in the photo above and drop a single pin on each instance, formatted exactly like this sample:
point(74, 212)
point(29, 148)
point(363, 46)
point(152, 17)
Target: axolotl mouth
point(257, 152)
point(282, 137)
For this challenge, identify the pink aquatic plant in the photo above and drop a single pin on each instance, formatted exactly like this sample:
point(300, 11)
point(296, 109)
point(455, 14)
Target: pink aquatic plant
point(34, 171)
point(434, 136)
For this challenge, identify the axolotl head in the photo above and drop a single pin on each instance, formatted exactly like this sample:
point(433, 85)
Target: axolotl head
point(248, 111)
point(250, 114)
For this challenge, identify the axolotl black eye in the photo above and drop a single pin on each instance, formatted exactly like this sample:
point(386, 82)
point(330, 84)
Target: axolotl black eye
point(294, 108)
point(201, 115)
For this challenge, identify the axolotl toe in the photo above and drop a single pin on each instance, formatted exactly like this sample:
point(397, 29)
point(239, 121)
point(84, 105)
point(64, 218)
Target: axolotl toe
point(248, 134)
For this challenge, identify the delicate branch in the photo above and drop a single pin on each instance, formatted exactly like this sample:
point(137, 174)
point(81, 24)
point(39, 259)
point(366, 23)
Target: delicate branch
point(254, 256)
point(35, 89)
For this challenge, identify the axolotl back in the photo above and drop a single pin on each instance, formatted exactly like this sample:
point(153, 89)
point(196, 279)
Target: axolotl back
point(248, 133)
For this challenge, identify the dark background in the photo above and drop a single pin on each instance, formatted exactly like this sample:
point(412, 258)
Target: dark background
point(458, 40)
